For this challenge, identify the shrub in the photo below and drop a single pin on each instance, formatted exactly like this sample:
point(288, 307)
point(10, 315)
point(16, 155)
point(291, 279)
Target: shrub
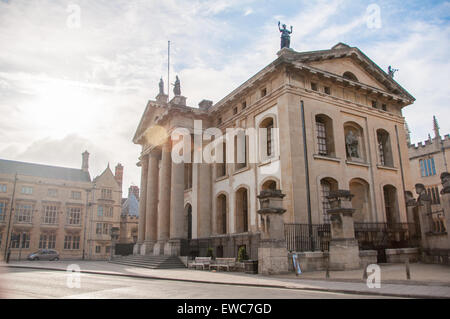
point(242, 254)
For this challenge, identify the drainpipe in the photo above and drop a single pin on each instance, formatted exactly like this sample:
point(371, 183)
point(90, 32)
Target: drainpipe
point(401, 164)
point(308, 191)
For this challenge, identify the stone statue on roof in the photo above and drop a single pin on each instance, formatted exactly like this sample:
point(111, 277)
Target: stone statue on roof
point(177, 87)
point(285, 36)
point(161, 86)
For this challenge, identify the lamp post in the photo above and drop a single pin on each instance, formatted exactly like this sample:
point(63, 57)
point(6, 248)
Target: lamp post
point(85, 222)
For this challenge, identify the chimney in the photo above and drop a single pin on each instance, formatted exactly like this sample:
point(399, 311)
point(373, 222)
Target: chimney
point(133, 190)
point(119, 174)
point(85, 161)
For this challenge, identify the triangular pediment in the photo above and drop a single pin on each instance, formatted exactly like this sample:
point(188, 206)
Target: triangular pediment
point(342, 58)
point(106, 179)
point(151, 113)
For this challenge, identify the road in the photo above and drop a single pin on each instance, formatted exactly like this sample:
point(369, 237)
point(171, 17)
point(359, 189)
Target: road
point(42, 284)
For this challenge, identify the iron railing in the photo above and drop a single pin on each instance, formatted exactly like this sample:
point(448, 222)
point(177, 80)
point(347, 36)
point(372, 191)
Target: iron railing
point(300, 238)
point(369, 236)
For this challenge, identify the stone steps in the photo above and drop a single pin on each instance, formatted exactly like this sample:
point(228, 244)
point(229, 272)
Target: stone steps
point(152, 262)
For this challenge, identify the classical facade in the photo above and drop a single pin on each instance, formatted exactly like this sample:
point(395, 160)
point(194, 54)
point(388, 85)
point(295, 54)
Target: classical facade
point(428, 160)
point(52, 207)
point(322, 121)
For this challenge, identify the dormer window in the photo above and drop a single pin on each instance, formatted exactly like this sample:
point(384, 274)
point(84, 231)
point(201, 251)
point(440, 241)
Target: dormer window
point(244, 105)
point(350, 76)
point(219, 120)
point(313, 86)
point(327, 90)
point(384, 107)
point(235, 110)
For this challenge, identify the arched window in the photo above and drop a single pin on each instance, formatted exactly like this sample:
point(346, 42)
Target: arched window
point(270, 184)
point(221, 214)
point(361, 200)
point(384, 148)
point(324, 133)
point(350, 76)
point(242, 210)
point(354, 142)
point(327, 185)
point(267, 142)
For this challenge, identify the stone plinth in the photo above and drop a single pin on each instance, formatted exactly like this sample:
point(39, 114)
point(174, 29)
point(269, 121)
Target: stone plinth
point(172, 247)
point(137, 249)
point(178, 100)
point(158, 249)
point(344, 250)
point(272, 252)
point(147, 247)
point(162, 98)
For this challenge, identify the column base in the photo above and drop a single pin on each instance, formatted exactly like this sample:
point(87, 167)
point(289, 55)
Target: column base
point(172, 247)
point(158, 249)
point(137, 248)
point(344, 255)
point(147, 247)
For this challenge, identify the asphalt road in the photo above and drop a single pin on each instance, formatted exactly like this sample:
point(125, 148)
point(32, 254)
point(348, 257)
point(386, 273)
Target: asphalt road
point(24, 283)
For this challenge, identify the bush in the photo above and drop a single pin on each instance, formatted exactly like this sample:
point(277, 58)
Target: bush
point(242, 254)
point(210, 253)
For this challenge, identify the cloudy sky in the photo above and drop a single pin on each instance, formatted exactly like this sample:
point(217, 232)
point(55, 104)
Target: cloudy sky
point(76, 75)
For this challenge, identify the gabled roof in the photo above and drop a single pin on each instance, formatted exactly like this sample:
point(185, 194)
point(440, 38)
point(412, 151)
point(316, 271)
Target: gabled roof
point(107, 173)
point(44, 171)
point(340, 50)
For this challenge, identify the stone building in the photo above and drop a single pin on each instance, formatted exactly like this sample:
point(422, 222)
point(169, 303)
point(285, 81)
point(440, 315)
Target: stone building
point(333, 120)
point(105, 208)
point(49, 207)
point(428, 160)
point(129, 218)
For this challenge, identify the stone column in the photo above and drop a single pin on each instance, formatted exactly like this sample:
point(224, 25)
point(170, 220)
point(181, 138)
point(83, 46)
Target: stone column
point(151, 203)
point(164, 200)
point(142, 203)
point(173, 246)
point(344, 250)
point(272, 252)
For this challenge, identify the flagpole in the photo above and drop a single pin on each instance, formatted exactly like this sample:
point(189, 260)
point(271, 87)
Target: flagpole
point(168, 70)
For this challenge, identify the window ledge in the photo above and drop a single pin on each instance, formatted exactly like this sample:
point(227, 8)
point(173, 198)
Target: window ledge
point(187, 190)
point(241, 170)
point(327, 158)
point(221, 178)
point(269, 160)
point(363, 164)
point(389, 168)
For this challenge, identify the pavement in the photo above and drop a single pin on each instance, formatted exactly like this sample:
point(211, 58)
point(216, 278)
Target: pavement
point(427, 281)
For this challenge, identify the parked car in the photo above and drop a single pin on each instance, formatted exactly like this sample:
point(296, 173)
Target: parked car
point(44, 254)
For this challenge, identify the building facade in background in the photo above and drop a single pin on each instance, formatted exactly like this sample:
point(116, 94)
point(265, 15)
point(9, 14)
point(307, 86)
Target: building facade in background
point(129, 218)
point(332, 119)
point(428, 160)
point(50, 207)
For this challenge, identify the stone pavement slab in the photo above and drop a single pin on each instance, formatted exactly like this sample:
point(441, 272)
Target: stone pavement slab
point(289, 281)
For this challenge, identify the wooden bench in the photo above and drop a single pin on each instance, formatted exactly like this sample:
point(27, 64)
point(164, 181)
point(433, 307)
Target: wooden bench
point(201, 261)
point(225, 263)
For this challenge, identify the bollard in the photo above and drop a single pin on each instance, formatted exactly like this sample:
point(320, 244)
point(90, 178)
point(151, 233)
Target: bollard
point(408, 273)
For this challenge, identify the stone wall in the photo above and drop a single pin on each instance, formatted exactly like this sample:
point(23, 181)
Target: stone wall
point(401, 255)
